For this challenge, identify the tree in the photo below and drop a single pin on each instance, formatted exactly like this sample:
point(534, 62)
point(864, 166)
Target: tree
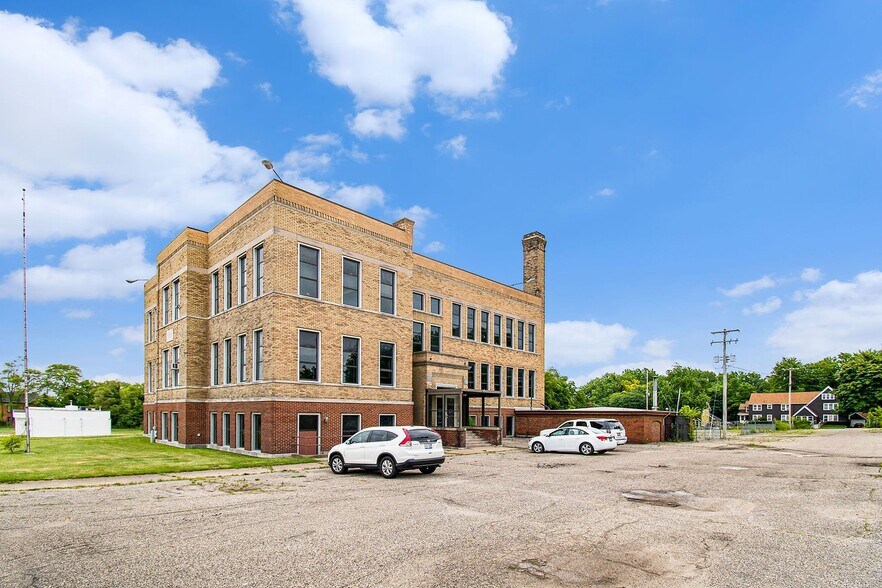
point(12, 384)
point(779, 378)
point(560, 391)
point(628, 399)
point(65, 383)
point(861, 381)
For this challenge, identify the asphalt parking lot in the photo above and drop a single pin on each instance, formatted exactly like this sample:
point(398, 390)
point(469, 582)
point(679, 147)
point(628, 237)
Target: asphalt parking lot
point(760, 511)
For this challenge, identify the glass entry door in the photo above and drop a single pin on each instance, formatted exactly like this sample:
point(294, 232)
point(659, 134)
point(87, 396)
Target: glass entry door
point(445, 411)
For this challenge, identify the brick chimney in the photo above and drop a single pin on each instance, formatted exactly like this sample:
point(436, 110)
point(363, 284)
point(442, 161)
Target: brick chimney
point(406, 225)
point(534, 264)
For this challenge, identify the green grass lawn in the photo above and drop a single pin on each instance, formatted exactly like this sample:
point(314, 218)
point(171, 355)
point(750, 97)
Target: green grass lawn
point(123, 453)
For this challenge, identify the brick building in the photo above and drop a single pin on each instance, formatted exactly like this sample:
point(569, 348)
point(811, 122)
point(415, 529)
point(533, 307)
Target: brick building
point(297, 321)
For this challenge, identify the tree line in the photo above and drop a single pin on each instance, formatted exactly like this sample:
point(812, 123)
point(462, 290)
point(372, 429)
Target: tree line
point(856, 377)
point(63, 384)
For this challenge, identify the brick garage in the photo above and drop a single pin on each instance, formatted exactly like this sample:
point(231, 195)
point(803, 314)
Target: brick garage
point(641, 426)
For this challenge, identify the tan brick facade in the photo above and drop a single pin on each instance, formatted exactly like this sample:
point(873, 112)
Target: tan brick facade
point(219, 319)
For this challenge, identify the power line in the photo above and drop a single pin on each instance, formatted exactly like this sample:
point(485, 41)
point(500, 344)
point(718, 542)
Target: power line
point(725, 359)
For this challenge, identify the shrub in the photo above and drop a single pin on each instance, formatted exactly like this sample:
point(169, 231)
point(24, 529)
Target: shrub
point(13, 443)
point(801, 424)
point(874, 419)
point(782, 426)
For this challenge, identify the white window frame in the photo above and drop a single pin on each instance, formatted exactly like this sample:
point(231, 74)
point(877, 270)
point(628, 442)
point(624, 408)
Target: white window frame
point(215, 293)
point(785, 407)
point(423, 298)
point(757, 407)
point(509, 382)
point(166, 365)
point(318, 357)
point(318, 285)
point(497, 381)
point(342, 366)
point(769, 406)
point(394, 364)
point(521, 384)
point(253, 429)
point(440, 306)
point(241, 357)
point(214, 376)
point(236, 431)
point(150, 376)
point(785, 417)
point(440, 339)
point(342, 278)
point(228, 361)
point(174, 426)
point(475, 325)
point(242, 277)
point(394, 291)
point(176, 361)
point(520, 335)
point(480, 326)
point(258, 270)
point(531, 338)
point(452, 324)
point(769, 418)
point(228, 286)
point(226, 429)
point(166, 303)
point(212, 428)
point(176, 299)
point(257, 375)
point(485, 380)
point(149, 322)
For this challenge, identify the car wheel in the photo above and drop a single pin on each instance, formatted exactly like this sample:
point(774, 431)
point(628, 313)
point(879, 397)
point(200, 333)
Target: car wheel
point(388, 468)
point(586, 449)
point(429, 469)
point(537, 447)
point(338, 466)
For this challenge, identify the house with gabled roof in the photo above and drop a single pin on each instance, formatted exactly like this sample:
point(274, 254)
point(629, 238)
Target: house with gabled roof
point(815, 407)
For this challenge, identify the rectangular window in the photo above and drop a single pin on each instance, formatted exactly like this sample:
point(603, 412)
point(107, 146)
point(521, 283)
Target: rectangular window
point(419, 301)
point(509, 327)
point(435, 339)
point(497, 378)
point(257, 261)
point(470, 381)
point(149, 376)
point(351, 364)
point(166, 304)
point(470, 324)
point(228, 361)
point(176, 299)
point(228, 286)
point(225, 429)
point(485, 376)
point(531, 384)
point(215, 293)
point(243, 281)
point(165, 426)
point(350, 424)
point(212, 428)
point(165, 369)
point(241, 359)
point(176, 367)
point(417, 336)
point(309, 271)
point(509, 381)
point(456, 320)
point(387, 364)
point(497, 329)
point(785, 417)
point(531, 338)
point(258, 355)
point(215, 365)
point(387, 291)
point(240, 430)
point(485, 327)
point(387, 420)
point(174, 427)
point(769, 406)
point(255, 431)
point(769, 417)
point(435, 305)
point(308, 356)
point(784, 407)
point(521, 335)
point(149, 326)
point(520, 383)
point(351, 282)
point(757, 407)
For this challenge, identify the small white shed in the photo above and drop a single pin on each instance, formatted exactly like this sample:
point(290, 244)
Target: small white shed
point(69, 421)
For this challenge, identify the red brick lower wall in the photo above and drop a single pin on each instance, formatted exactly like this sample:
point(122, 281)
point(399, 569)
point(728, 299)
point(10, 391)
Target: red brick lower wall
point(278, 425)
point(491, 435)
point(451, 437)
point(640, 426)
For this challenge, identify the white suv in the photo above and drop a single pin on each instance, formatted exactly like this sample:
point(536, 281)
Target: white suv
point(390, 450)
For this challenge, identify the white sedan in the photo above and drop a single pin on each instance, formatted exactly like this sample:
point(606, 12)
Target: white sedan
point(573, 439)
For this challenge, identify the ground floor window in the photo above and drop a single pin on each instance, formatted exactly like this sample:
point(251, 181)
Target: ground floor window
point(240, 430)
point(486, 420)
point(165, 426)
point(831, 418)
point(769, 417)
point(150, 423)
point(255, 431)
point(387, 420)
point(174, 427)
point(225, 429)
point(350, 425)
point(212, 428)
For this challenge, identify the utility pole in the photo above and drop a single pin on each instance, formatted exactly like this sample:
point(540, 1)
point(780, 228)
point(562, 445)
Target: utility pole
point(790, 396)
point(725, 359)
point(24, 283)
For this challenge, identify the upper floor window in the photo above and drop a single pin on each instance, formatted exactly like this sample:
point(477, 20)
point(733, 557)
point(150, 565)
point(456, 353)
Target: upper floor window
point(497, 378)
point(470, 324)
point(435, 338)
point(351, 363)
point(769, 406)
point(166, 368)
point(228, 286)
point(240, 349)
point(176, 366)
point(387, 291)
point(351, 282)
point(785, 407)
point(456, 320)
point(828, 396)
point(757, 407)
point(257, 261)
point(531, 384)
point(150, 327)
point(485, 376)
point(521, 335)
point(308, 356)
point(418, 336)
point(485, 326)
point(435, 305)
point(387, 364)
point(258, 355)
point(215, 293)
point(243, 282)
point(470, 377)
point(497, 329)
point(531, 338)
point(419, 301)
point(509, 381)
point(520, 382)
point(228, 361)
point(309, 271)
point(166, 306)
point(509, 327)
point(176, 300)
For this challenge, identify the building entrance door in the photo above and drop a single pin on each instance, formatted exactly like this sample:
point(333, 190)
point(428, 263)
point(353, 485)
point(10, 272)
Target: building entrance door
point(308, 434)
point(509, 426)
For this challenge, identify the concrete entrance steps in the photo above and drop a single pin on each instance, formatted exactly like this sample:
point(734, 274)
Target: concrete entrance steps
point(473, 440)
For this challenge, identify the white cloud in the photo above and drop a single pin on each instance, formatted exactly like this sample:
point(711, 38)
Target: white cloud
point(658, 347)
point(810, 274)
point(837, 316)
point(864, 95)
point(132, 334)
point(581, 342)
point(420, 215)
point(748, 288)
point(606, 192)
point(455, 147)
point(375, 122)
point(138, 379)
point(434, 247)
point(267, 89)
point(78, 313)
point(86, 272)
point(117, 351)
point(235, 58)
point(359, 197)
point(760, 308)
point(453, 50)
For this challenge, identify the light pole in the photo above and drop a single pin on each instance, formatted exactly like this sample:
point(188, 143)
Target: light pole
point(269, 165)
point(137, 280)
point(24, 298)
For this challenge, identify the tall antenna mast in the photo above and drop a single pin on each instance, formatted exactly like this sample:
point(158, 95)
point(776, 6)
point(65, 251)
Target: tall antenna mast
point(24, 295)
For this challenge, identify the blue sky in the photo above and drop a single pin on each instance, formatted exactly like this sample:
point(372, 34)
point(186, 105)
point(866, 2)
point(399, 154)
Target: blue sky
point(694, 165)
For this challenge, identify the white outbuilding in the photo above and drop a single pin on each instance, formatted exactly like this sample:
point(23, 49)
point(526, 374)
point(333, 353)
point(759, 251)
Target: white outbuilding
point(69, 421)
